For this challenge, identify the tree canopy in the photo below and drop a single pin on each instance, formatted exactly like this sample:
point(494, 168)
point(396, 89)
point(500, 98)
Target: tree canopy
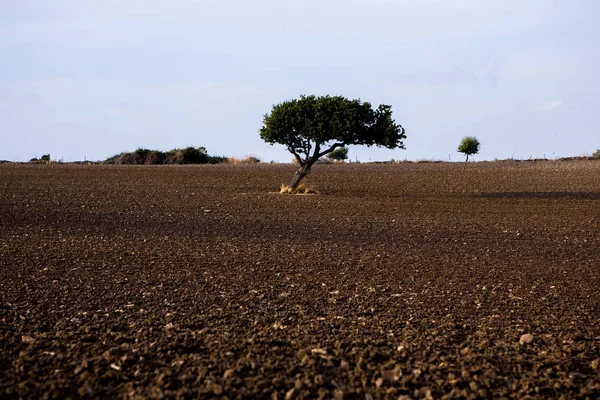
point(311, 127)
point(469, 145)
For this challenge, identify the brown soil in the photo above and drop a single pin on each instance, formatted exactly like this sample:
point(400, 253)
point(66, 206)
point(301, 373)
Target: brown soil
point(423, 280)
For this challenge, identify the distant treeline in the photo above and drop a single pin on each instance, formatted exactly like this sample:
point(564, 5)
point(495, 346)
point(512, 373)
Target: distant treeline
point(189, 155)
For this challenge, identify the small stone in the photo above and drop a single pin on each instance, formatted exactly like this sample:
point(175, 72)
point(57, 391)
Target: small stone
point(388, 376)
point(115, 367)
point(27, 339)
point(393, 375)
point(290, 394)
point(526, 338)
point(85, 390)
point(595, 364)
point(577, 376)
point(228, 373)
point(217, 389)
point(379, 382)
point(319, 380)
point(81, 367)
point(465, 351)
point(279, 325)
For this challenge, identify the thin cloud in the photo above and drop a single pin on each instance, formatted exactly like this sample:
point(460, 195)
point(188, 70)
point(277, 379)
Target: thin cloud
point(551, 105)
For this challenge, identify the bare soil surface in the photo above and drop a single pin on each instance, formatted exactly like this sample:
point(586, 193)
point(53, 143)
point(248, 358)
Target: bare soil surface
point(422, 280)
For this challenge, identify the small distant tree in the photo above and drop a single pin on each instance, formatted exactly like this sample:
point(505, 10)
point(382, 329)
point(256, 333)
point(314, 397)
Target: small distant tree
point(45, 157)
point(469, 145)
point(596, 154)
point(311, 127)
point(339, 154)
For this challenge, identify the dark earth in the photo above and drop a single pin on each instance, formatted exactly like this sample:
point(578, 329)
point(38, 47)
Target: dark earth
point(410, 280)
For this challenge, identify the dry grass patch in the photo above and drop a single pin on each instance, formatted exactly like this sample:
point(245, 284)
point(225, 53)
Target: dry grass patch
point(301, 189)
point(245, 160)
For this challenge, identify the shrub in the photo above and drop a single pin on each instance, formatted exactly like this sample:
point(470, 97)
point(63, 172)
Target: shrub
point(216, 159)
point(195, 155)
point(189, 155)
point(113, 160)
point(596, 154)
point(174, 156)
point(45, 157)
point(134, 158)
point(143, 156)
point(155, 157)
point(339, 154)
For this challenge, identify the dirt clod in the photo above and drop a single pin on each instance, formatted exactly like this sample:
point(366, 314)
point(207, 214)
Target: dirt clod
point(526, 338)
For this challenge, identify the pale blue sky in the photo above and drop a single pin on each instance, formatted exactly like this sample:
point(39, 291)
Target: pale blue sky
point(88, 79)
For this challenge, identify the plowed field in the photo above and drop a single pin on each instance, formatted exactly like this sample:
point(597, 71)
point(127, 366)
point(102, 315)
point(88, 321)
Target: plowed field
point(421, 280)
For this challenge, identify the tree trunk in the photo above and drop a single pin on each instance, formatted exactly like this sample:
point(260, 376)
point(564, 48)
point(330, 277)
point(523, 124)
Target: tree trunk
point(467, 160)
point(298, 176)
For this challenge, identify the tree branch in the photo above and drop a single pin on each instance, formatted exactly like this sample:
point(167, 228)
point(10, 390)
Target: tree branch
point(297, 156)
point(329, 150)
point(306, 146)
point(315, 155)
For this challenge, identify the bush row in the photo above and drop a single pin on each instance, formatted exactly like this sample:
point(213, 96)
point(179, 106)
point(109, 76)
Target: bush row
point(189, 155)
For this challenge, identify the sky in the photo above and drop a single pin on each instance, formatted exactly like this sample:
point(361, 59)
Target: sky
point(84, 80)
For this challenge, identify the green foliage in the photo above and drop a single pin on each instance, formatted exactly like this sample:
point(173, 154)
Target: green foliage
point(341, 153)
point(596, 154)
point(142, 156)
point(189, 155)
point(311, 127)
point(154, 157)
point(469, 145)
point(43, 159)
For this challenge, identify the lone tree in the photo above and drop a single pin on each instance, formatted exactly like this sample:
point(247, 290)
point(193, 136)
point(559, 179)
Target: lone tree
point(311, 127)
point(469, 145)
point(339, 154)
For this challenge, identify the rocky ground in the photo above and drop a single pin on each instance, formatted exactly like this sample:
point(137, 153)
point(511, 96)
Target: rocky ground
point(414, 280)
